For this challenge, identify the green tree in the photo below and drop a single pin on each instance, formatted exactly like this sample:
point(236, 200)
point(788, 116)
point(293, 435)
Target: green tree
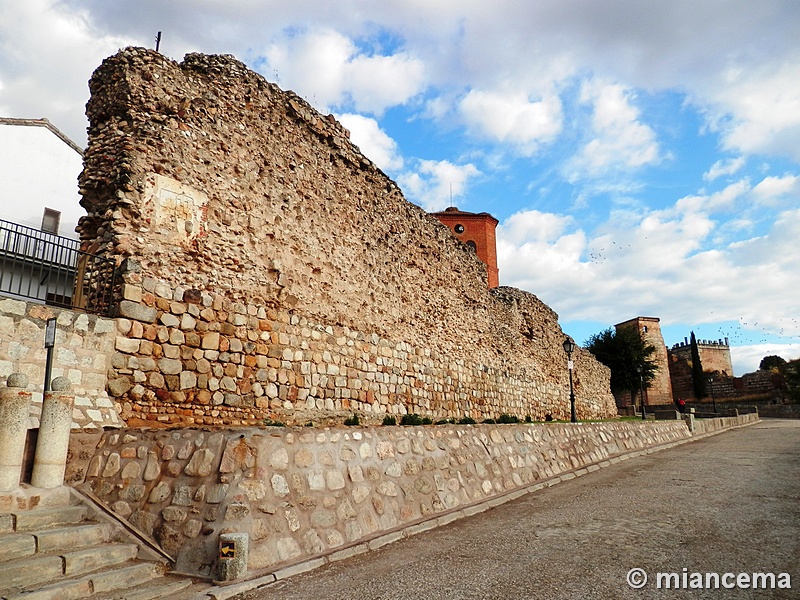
point(791, 373)
point(698, 377)
point(622, 351)
point(772, 363)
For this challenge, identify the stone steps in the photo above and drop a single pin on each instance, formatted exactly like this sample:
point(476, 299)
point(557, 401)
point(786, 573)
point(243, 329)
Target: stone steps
point(59, 553)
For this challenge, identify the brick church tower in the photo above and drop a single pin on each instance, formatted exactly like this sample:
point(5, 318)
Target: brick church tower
point(476, 230)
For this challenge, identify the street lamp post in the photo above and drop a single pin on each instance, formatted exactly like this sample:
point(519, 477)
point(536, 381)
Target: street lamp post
point(713, 399)
point(569, 348)
point(641, 390)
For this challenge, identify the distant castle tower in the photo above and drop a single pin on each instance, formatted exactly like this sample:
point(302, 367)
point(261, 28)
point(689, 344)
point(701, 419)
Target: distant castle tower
point(476, 230)
point(660, 389)
point(715, 358)
point(715, 355)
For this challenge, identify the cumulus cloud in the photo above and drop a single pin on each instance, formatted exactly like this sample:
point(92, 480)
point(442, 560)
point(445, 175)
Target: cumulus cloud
point(771, 190)
point(373, 141)
point(48, 55)
point(432, 183)
point(723, 200)
point(728, 166)
point(758, 111)
point(660, 263)
point(619, 140)
point(512, 117)
point(327, 68)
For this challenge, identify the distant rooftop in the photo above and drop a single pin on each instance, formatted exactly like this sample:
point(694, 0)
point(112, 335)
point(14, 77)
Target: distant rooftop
point(453, 210)
point(42, 123)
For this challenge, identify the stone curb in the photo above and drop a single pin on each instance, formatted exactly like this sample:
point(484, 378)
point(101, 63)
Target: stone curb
point(234, 589)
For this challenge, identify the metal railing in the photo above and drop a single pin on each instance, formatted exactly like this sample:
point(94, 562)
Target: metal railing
point(41, 266)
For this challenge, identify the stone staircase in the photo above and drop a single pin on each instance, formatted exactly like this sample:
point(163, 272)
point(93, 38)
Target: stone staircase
point(64, 552)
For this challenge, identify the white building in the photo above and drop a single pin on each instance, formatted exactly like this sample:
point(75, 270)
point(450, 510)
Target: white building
point(39, 210)
point(39, 169)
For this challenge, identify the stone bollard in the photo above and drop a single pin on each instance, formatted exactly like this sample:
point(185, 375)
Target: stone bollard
point(689, 418)
point(50, 461)
point(15, 403)
point(233, 551)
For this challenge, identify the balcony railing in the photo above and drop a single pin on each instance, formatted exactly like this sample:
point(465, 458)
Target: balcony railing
point(49, 268)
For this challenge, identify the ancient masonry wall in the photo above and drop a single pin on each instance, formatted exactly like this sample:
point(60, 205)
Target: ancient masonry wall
point(268, 266)
point(715, 355)
point(300, 493)
point(82, 353)
point(759, 385)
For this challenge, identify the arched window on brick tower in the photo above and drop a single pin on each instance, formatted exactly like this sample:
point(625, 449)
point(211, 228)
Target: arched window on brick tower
point(477, 230)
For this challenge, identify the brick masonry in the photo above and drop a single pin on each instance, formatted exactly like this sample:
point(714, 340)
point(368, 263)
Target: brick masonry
point(659, 391)
point(269, 269)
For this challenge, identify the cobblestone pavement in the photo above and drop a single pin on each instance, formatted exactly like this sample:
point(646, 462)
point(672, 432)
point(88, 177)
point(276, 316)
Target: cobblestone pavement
point(727, 503)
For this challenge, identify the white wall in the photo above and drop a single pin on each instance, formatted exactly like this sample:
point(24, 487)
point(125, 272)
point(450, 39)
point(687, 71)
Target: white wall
point(38, 170)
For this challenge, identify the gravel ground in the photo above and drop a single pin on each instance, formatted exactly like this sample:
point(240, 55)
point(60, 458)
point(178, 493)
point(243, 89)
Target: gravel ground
point(728, 503)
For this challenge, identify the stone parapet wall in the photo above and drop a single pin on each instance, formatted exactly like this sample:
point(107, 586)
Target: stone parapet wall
point(82, 353)
point(301, 492)
point(704, 426)
point(273, 266)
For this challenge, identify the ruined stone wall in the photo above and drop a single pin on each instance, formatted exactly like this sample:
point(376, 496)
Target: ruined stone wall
point(307, 278)
point(82, 352)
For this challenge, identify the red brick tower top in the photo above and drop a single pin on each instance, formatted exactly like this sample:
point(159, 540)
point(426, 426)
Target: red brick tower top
point(476, 230)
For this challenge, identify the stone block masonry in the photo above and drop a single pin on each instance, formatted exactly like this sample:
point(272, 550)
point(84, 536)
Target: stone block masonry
point(301, 492)
point(212, 361)
point(267, 265)
point(82, 353)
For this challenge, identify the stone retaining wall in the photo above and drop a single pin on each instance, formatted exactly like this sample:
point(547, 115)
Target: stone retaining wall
point(82, 353)
point(302, 492)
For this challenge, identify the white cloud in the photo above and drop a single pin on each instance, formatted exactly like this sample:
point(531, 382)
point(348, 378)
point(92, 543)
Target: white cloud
point(373, 141)
point(619, 140)
point(724, 200)
point(512, 117)
point(327, 68)
point(433, 183)
point(312, 64)
point(48, 54)
point(533, 226)
point(758, 110)
point(378, 82)
point(728, 166)
point(772, 189)
point(659, 265)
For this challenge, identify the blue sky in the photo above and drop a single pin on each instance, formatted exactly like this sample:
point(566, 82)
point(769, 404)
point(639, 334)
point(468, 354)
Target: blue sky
point(643, 158)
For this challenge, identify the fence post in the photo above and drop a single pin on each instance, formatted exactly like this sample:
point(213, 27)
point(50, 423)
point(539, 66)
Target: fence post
point(15, 403)
point(50, 461)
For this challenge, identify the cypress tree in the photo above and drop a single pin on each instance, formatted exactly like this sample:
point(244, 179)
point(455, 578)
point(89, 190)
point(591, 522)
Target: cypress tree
point(698, 377)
